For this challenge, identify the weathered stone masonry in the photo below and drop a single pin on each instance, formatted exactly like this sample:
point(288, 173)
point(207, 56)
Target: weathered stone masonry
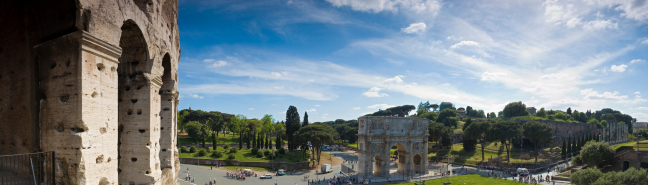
point(96, 82)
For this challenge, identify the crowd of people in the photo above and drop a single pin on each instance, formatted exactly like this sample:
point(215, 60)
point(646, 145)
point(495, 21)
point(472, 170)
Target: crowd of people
point(240, 175)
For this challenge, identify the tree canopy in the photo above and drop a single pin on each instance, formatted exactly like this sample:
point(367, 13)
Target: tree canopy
point(538, 133)
point(514, 109)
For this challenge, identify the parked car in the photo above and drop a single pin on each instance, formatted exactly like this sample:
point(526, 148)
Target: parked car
point(266, 176)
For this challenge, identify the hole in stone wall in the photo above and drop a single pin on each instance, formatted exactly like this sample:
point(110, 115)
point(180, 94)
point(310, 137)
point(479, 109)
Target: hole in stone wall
point(100, 159)
point(148, 144)
point(162, 128)
point(94, 94)
point(104, 181)
point(64, 98)
point(139, 111)
point(142, 130)
point(100, 66)
point(134, 63)
point(113, 69)
point(129, 112)
point(133, 159)
point(170, 100)
point(59, 127)
point(121, 128)
point(166, 109)
point(67, 64)
point(109, 159)
point(52, 65)
point(133, 100)
point(148, 171)
point(164, 150)
point(127, 88)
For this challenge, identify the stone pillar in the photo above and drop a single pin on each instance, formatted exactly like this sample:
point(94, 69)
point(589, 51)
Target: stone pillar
point(79, 111)
point(168, 130)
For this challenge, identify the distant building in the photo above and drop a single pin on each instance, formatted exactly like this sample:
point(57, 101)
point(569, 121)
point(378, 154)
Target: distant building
point(532, 110)
point(457, 137)
point(461, 113)
point(639, 125)
point(446, 105)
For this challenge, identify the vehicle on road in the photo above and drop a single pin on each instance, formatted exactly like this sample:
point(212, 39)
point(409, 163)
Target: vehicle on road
point(266, 176)
point(281, 172)
point(326, 168)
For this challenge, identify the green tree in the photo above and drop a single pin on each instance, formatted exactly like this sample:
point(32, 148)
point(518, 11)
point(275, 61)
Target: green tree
point(514, 109)
point(432, 116)
point(478, 131)
point(596, 122)
point(541, 113)
point(319, 135)
point(434, 107)
point(180, 119)
point(641, 133)
point(292, 125)
point(564, 150)
point(305, 119)
point(437, 131)
point(569, 111)
point(630, 176)
point(604, 123)
point(597, 153)
point(538, 133)
point(585, 177)
point(569, 145)
point(505, 131)
point(198, 131)
point(446, 113)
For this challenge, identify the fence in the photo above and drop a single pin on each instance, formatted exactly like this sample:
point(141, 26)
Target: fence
point(33, 168)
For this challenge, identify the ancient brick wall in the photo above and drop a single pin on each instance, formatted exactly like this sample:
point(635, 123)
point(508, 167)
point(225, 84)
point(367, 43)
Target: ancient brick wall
point(563, 130)
point(66, 68)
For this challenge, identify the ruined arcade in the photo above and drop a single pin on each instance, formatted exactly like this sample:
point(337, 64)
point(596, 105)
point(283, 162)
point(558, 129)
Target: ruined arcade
point(95, 82)
point(376, 136)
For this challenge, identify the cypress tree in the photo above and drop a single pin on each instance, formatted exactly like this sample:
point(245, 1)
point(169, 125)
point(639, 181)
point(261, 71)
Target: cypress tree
point(278, 141)
point(569, 145)
point(564, 150)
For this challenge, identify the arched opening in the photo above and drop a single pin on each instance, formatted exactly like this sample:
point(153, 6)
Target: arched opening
point(417, 164)
point(626, 165)
point(644, 165)
point(135, 117)
point(377, 166)
point(398, 161)
point(167, 117)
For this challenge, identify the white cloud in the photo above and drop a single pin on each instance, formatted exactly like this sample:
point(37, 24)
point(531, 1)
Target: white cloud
point(251, 109)
point(601, 24)
point(278, 74)
point(414, 28)
point(637, 61)
point(645, 42)
point(642, 108)
point(311, 110)
point(590, 94)
point(216, 63)
point(637, 93)
point(395, 80)
point(375, 6)
point(486, 76)
point(641, 117)
point(380, 106)
point(573, 22)
point(356, 108)
point(619, 69)
point(464, 43)
point(325, 116)
point(196, 96)
point(374, 92)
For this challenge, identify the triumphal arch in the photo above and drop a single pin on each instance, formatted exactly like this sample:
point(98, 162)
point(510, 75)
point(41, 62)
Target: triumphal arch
point(376, 137)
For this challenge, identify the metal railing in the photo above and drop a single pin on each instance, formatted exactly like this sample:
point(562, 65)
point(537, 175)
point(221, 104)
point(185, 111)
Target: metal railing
point(33, 168)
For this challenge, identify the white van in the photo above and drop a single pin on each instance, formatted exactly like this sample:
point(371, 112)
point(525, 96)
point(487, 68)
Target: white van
point(326, 168)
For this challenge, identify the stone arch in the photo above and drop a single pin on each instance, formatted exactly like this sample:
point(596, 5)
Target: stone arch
point(417, 163)
point(135, 83)
point(400, 160)
point(167, 114)
point(626, 165)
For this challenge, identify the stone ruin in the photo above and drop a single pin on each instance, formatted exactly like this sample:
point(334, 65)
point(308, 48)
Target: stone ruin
point(376, 136)
point(94, 81)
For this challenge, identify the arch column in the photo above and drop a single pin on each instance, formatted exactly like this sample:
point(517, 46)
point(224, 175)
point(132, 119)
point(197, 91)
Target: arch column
point(79, 111)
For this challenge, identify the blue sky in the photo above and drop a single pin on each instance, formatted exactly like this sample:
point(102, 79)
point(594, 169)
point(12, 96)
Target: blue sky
point(341, 59)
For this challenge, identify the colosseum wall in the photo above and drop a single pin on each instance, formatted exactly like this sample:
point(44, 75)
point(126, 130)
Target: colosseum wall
point(95, 81)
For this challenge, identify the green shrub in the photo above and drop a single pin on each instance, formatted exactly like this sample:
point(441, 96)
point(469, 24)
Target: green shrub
point(202, 152)
point(231, 156)
point(282, 151)
point(233, 150)
point(225, 147)
point(193, 149)
point(551, 117)
point(266, 152)
point(272, 155)
point(217, 154)
point(259, 154)
point(184, 149)
point(254, 150)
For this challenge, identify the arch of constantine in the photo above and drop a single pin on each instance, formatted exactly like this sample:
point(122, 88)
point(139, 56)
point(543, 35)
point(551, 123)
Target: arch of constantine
point(95, 82)
point(377, 135)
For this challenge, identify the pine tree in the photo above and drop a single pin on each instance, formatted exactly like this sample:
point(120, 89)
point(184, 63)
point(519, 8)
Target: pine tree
point(278, 141)
point(564, 150)
point(305, 119)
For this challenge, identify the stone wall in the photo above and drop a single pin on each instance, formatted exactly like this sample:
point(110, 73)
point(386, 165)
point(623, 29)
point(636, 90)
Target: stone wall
point(94, 81)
